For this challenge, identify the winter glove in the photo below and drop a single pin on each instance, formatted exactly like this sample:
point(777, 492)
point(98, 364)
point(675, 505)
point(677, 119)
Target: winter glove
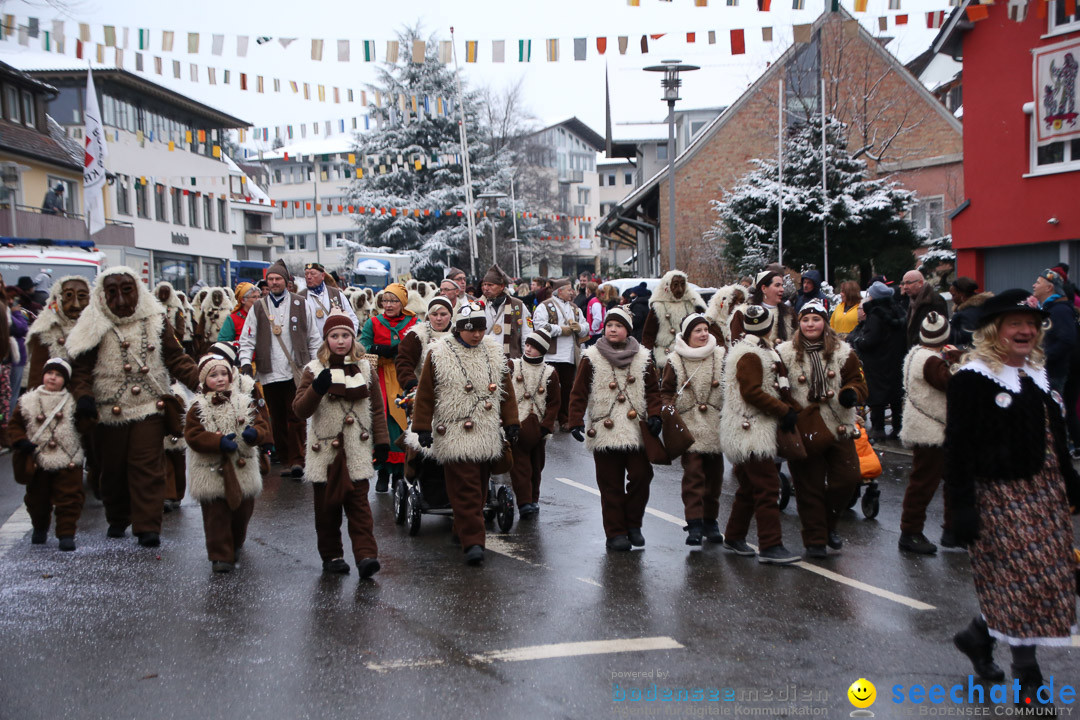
point(578, 433)
point(565, 330)
point(425, 438)
point(544, 432)
point(512, 432)
point(386, 351)
point(228, 443)
point(381, 452)
point(246, 370)
point(848, 398)
point(250, 435)
point(407, 387)
point(574, 327)
point(24, 445)
point(85, 407)
point(655, 425)
point(787, 424)
point(965, 524)
point(323, 382)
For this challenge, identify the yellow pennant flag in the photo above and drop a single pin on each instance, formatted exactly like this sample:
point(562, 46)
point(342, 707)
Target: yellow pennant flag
point(172, 146)
point(187, 136)
point(217, 151)
point(417, 164)
point(470, 50)
point(352, 159)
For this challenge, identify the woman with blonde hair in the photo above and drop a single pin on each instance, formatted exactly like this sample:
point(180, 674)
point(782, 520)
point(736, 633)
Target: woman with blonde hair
point(1010, 485)
point(845, 316)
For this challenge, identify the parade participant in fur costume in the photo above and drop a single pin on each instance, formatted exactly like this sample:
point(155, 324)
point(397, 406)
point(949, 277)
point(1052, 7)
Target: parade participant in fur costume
point(671, 302)
point(321, 298)
point(174, 308)
point(223, 431)
point(565, 324)
point(215, 311)
point(465, 411)
point(617, 383)
point(246, 296)
point(768, 292)
point(47, 337)
point(414, 347)
point(721, 307)
point(506, 315)
point(536, 387)
point(124, 351)
point(48, 455)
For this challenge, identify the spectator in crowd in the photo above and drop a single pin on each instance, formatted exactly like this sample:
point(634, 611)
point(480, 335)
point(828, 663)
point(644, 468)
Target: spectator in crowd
point(594, 313)
point(539, 291)
point(1062, 269)
point(919, 300)
point(609, 295)
point(582, 297)
point(880, 343)
point(967, 304)
point(810, 289)
point(845, 315)
point(1060, 341)
point(639, 308)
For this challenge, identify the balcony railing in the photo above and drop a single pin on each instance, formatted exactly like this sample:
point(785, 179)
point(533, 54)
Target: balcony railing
point(30, 222)
point(263, 238)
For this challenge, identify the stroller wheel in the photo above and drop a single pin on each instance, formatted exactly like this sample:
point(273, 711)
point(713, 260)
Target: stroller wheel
point(871, 503)
point(505, 500)
point(401, 500)
point(412, 510)
point(785, 491)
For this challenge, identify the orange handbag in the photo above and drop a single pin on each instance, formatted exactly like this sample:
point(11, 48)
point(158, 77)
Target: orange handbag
point(869, 462)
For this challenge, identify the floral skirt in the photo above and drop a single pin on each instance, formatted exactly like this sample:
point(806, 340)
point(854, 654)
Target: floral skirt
point(1022, 562)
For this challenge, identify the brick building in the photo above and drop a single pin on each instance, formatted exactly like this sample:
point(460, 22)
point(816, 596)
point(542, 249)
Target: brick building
point(903, 130)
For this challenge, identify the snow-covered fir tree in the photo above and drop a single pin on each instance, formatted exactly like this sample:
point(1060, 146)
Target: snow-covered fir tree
point(865, 217)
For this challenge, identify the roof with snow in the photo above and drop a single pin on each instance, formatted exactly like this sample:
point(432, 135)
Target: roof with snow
point(331, 145)
point(579, 128)
point(251, 188)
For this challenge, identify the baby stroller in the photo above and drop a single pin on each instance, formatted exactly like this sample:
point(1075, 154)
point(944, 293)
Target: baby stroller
point(870, 467)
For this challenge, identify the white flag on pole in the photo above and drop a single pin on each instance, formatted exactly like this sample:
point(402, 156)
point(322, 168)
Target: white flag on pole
point(93, 160)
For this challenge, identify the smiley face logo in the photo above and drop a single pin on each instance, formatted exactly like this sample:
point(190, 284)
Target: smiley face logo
point(862, 693)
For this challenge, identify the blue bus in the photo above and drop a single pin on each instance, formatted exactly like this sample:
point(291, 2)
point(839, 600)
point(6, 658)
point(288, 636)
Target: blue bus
point(251, 271)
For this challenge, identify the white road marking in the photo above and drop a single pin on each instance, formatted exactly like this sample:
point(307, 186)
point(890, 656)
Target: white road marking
point(544, 652)
point(15, 529)
point(590, 581)
point(496, 544)
point(1076, 640)
point(829, 574)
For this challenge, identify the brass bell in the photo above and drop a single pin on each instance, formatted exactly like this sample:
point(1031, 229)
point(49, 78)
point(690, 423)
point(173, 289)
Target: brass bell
point(220, 469)
point(667, 316)
point(135, 389)
point(116, 409)
point(620, 397)
point(160, 406)
point(591, 432)
point(316, 447)
point(609, 423)
point(802, 378)
point(702, 407)
point(349, 419)
point(40, 418)
point(149, 348)
point(829, 394)
point(776, 386)
point(831, 374)
point(364, 435)
point(715, 384)
point(527, 396)
point(59, 416)
point(125, 345)
point(71, 466)
point(241, 462)
point(335, 443)
point(239, 422)
point(441, 429)
point(842, 429)
point(492, 387)
point(174, 438)
point(487, 405)
point(521, 378)
point(144, 369)
point(540, 391)
point(631, 380)
point(612, 385)
point(61, 341)
point(468, 425)
point(745, 424)
point(468, 387)
point(51, 444)
point(631, 413)
point(127, 367)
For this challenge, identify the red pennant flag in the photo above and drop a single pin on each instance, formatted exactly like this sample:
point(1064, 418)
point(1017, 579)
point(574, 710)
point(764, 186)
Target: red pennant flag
point(764, 5)
point(1070, 8)
point(691, 37)
point(79, 49)
point(601, 45)
point(977, 12)
point(901, 19)
point(1040, 9)
point(738, 42)
point(339, 208)
point(307, 206)
point(286, 157)
point(658, 36)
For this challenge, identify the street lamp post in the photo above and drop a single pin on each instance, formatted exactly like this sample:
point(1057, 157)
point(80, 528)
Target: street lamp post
point(494, 196)
point(671, 84)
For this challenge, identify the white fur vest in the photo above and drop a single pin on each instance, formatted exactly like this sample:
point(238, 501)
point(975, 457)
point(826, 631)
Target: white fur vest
point(616, 398)
point(746, 430)
point(467, 421)
point(700, 398)
point(530, 387)
point(428, 337)
point(50, 330)
point(176, 443)
point(349, 418)
point(669, 316)
point(58, 445)
point(205, 481)
point(835, 415)
point(924, 405)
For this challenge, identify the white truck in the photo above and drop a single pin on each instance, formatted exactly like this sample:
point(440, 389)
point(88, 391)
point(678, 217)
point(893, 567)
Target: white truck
point(20, 257)
point(377, 270)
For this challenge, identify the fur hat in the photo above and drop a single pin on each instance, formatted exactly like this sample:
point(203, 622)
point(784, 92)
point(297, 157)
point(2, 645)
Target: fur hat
point(934, 329)
point(622, 315)
point(879, 291)
point(337, 319)
point(757, 320)
point(210, 361)
point(496, 276)
point(226, 350)
point(1010, 301)
point(559, 283)
point(440, 301)
point(279, 268)
point(689, 323)
point(815, 307)
point(470, 316)
point(539, 339)
point(59, 365)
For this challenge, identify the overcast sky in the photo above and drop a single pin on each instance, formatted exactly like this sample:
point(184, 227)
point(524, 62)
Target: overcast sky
point(553, 91)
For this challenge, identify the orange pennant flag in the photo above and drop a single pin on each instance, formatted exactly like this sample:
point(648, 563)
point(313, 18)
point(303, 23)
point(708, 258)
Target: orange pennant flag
point(601, 45)
point(738, 42)
point(977, 12)
point(691, 37)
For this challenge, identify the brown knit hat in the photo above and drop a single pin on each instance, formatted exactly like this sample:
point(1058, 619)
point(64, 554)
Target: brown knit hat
point(279, 268)
point(622, 315)
point(210, 361)
point(337, 319)
point(558, 283)
point(540, 339)
point(689, 323)
point(59, 365)
point(440, 300)
point(496, 276)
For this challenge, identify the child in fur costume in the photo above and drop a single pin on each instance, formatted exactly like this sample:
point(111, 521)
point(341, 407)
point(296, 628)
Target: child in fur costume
point(48, 455)
point(616, 381)
point(340, 396)
point(224, 469)
point(536, 387)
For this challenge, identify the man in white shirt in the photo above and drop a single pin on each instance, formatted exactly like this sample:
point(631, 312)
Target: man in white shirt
point(322, 299)
point(506, 316)
point(281, 335)
point(564, 322)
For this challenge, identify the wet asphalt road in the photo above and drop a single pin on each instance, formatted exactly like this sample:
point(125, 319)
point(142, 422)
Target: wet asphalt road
point(116, 631)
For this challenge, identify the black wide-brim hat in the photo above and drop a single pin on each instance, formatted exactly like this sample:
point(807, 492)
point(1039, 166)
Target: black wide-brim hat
point(1010, 301)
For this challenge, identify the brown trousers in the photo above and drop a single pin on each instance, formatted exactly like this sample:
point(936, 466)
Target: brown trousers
point(623, 478)
point(358, 519)
point(756, 498)
point(290, 432)
point(225, 529)
point(466, 485)
point(175, 475)
point(566, 373)
point(59, 492)
point(824, 485)
point(702, 477)
point(526, 471)
point(133, 473)
point(927, 468)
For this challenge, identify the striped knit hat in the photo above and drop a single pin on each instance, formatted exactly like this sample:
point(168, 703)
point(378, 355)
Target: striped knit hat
point(622, 315)
point(210, 361)
point(59, 365)
point(934, 329)
point(540, 339)
point(757, 320)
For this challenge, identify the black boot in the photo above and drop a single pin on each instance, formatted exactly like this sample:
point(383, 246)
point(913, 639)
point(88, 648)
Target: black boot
point(38, 537)
point(693, 532)
point(1031, 679)
point(711, 530)
point(382, 485)
point(975, 642)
